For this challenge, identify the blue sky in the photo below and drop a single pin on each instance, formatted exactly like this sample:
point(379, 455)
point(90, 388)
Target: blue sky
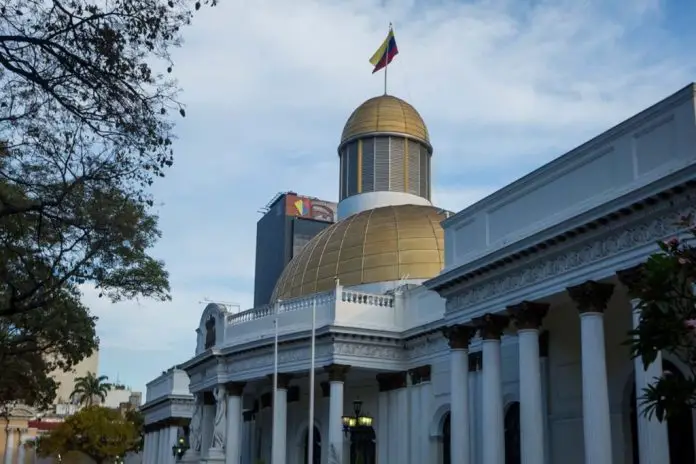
point(504, 86)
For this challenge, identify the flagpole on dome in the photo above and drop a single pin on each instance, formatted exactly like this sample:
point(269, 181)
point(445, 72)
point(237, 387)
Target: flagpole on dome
point(386, 64)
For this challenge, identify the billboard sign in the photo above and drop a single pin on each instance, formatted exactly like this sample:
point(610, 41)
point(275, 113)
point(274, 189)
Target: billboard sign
point(311, 208)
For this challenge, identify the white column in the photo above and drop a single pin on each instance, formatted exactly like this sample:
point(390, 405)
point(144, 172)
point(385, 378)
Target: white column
point(207, 426)
point(595, 392)
point(459, 405)
point(416, 439)
point(280, 415)
point(531, 410)
point(155, 446)
point(492, 398)
point(336, 379)
point(233, 442)
point(147, 446)
point(472, 408)
point(21, 450)
point(591, 299)
point(402, 410)
point(653, 440)
point(172, 440)
point(382, 425)
point(9, 444)
point(544, 363)
point(426, 406)
point(165, 447)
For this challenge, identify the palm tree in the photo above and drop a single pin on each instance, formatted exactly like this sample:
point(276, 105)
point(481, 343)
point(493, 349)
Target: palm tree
point(90, 387)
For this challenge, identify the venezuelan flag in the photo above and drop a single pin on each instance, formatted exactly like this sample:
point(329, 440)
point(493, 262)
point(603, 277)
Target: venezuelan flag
point(385, 53)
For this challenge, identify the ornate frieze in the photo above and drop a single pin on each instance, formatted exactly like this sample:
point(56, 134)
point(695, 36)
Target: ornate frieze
point(611, 239)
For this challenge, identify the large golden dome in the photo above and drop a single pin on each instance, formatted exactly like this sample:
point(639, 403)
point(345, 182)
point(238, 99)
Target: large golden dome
point(379, 245)
point(385, 114)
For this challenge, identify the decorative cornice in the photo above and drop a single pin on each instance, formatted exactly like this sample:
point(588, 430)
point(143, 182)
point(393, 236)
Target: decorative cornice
point(596, 242)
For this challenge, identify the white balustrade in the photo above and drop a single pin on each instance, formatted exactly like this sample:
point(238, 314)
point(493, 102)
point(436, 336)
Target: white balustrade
point(337, 306)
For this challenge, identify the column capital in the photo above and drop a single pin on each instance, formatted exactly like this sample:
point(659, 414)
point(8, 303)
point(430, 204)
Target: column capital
point(591, 296)
point(283, 380)
point(528, 314)
point(391, 381)
point(420, 374)
point(491, 326)
point(631, 277)
point(337, 372)
point(235, 388)
point(459, 336)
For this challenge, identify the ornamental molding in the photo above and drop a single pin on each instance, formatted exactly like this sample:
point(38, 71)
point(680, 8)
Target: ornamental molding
point(636, 230)
point(426, 346)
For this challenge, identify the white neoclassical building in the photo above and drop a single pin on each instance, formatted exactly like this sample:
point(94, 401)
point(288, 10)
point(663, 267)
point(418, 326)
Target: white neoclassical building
point(493, 335)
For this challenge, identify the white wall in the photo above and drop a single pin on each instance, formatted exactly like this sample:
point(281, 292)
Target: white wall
point(646, 148)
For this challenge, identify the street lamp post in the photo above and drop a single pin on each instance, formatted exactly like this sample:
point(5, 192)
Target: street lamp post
point(179, 449)
point(359, 428)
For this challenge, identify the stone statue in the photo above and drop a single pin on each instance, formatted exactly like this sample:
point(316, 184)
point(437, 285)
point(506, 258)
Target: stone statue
point(195, 425)
point(220, 417)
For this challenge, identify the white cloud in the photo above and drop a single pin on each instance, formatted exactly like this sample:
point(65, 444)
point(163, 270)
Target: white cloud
point(503, 85)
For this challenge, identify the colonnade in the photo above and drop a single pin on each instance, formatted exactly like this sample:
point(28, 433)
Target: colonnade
point(591, 299)
point(15, 437)
point(160, 437)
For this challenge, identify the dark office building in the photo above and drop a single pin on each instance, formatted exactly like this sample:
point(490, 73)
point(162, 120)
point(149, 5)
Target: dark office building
point(290, 221)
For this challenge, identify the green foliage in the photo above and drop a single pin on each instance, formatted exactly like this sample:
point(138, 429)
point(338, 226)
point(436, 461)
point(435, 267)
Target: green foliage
point(138, 420)
point(101, 433)
point(665, 288)
point(86, 124)
point(90, 388)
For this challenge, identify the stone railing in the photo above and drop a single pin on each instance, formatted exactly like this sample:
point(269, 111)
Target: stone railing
point(295, 304)
point(350, 296)
point(251, 314)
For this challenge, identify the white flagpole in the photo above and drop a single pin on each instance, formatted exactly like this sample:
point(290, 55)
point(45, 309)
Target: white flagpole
point(310, 427)
point(274, 445)
point(386, 63)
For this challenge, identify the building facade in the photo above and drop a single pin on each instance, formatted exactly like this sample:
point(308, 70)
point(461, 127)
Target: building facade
point(289, 222)
point(510, 351)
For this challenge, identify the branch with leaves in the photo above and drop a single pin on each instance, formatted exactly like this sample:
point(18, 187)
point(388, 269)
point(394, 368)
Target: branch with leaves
point(665, 289)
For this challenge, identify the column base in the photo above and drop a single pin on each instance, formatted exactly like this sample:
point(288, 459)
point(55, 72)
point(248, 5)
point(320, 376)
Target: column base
point(215, 456)
point(191, 457)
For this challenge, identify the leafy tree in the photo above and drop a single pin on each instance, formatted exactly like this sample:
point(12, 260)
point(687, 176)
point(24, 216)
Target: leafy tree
point(136, 417)
point(101, 433)
point(90, 387)
point(86, 124)
point(665, 287)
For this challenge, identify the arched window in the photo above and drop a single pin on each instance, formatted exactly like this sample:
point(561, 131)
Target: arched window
point(680, 429)
point(446, 440)
point(316, 458)
point(513, 453)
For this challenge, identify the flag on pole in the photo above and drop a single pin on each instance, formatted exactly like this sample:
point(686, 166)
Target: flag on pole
point(385, 53)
